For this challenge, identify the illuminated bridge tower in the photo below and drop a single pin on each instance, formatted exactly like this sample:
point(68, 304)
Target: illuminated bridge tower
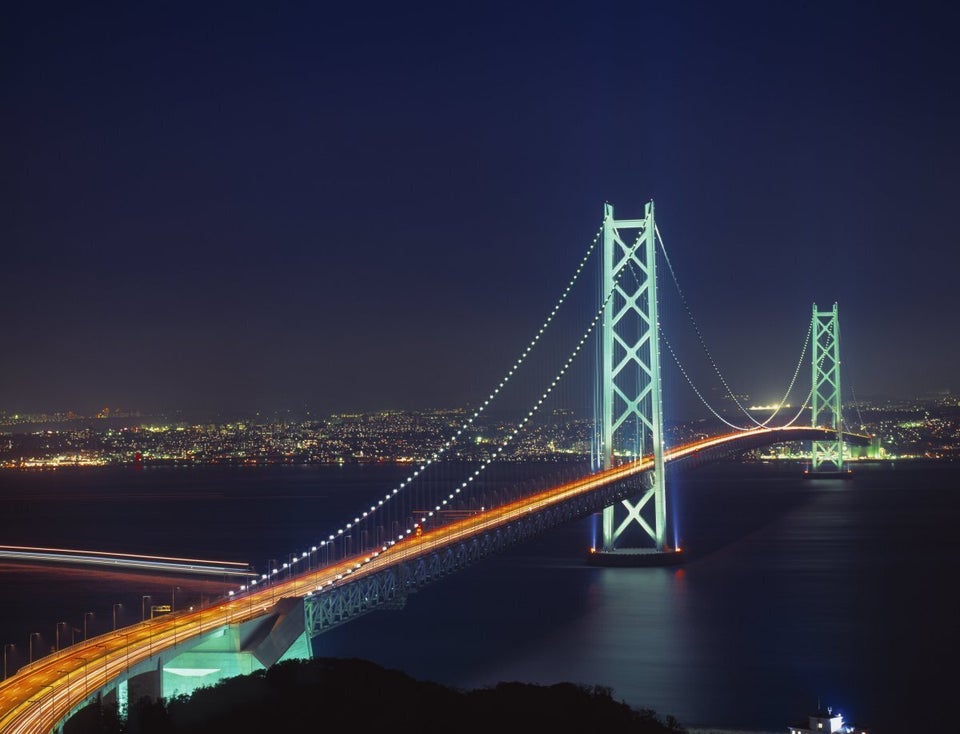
point(827, 456)
point(631, 415)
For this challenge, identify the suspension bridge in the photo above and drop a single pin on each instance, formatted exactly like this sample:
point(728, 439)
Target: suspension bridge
point(423, 529)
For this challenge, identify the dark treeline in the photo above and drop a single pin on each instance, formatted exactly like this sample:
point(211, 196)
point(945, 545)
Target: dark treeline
point(314, 695)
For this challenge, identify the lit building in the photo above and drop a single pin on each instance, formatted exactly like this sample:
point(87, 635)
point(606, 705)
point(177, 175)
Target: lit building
point(826, 722)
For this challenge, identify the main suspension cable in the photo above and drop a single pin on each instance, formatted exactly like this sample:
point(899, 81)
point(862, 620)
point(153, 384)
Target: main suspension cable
point(536, 407)
point(806, 401)
point(480, 409)
point(716, 368)
point(696, 327)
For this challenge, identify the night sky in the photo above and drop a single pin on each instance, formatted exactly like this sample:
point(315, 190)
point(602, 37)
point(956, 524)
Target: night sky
point(356, 206)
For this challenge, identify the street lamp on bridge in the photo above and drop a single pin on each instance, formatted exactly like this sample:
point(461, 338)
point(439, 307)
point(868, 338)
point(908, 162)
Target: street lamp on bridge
point(104, 648)
point(53, 696)
point(66, 673)
point(85, 616)
point(143, 607)
point(57, 633)
point(126, 647)
point(86, 683)
point(118, 604)
point(30, 641)
point(8, 644)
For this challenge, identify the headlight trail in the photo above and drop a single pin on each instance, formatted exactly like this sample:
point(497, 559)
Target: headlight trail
point(125, 561)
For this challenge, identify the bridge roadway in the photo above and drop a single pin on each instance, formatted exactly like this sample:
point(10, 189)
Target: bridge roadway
point(41, 695)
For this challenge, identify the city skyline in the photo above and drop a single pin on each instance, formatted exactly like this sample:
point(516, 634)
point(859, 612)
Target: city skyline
point(270, 209)
point(923, 430)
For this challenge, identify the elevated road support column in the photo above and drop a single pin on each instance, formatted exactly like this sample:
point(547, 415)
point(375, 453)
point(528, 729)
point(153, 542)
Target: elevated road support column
point(222, 651)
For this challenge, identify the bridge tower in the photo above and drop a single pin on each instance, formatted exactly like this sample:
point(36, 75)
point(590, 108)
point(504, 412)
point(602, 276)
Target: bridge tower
point(631, 412)
point(827, 456)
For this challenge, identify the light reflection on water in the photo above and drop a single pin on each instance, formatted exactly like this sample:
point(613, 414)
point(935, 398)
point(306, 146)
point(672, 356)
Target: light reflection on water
point(630, 625)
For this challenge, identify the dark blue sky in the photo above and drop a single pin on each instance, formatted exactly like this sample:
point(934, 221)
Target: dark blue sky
point(361, 206)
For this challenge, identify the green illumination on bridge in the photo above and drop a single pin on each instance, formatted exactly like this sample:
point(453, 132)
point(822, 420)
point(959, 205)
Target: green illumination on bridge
point(629, 374)
point(826, 456)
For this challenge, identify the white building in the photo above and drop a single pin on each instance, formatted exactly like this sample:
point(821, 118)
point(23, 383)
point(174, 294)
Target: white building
point(827, 722)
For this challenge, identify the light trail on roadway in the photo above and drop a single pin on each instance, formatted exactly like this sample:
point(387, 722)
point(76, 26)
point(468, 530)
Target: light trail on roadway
point(123, 561)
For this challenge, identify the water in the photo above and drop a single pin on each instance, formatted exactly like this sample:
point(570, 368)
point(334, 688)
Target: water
point(794, 590)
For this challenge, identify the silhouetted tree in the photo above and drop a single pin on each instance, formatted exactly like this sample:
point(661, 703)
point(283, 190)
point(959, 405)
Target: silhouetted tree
point(327, 694)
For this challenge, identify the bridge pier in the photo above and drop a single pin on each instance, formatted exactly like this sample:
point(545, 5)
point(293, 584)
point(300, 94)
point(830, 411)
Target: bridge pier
point(217, 657)
point(222, 652)
point(146, 685)
point(635, 557)
point(238, 650)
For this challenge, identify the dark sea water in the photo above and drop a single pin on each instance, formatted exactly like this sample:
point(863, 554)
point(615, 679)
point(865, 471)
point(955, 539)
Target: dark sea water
point(793, 590)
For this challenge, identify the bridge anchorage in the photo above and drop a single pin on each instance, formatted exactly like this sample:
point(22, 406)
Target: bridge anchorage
point(633, 531)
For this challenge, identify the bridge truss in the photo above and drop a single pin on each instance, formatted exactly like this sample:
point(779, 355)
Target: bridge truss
point(826, 456)
point(631, 412)
point(389, 588)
